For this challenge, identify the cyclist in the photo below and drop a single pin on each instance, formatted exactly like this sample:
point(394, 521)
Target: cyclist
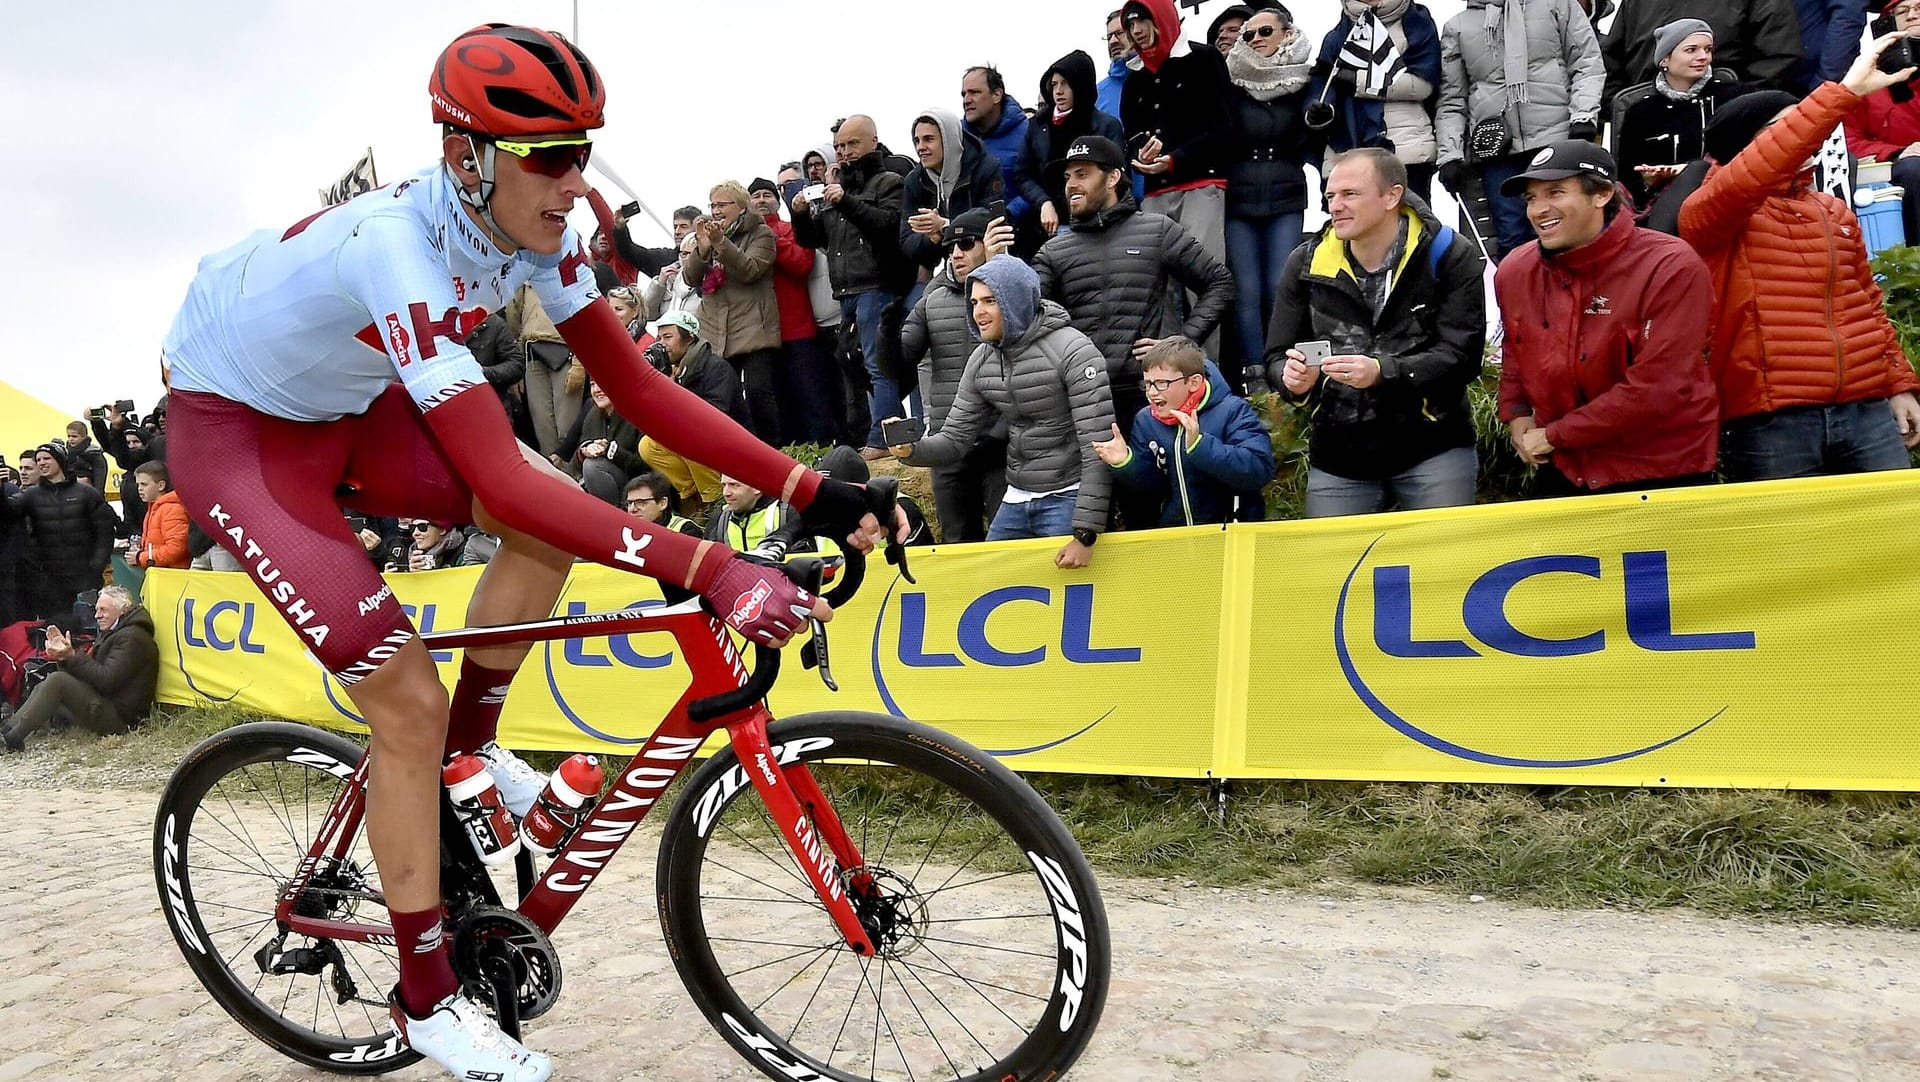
point(282, 364)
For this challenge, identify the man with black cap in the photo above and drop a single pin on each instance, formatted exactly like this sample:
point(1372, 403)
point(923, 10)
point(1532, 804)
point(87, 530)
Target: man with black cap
point(72, 533)
point(1603, 382)
point(966, 493)
point(1118, 270)
point(1811, 374)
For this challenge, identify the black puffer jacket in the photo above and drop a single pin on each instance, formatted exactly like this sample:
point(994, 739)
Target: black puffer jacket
point(123, 666)
point(72, 531)
point(1182, 100)
point(938, 338)
point(133, 510)
point(861, 233)
point(1117, 273)
point(1429, 339)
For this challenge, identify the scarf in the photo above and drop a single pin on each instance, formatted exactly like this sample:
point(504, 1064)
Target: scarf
point(1191, 407)
point(1388, 11)
point(1265, 78)
point(1666, 89)
point(1370, 49)
point(1503, 16)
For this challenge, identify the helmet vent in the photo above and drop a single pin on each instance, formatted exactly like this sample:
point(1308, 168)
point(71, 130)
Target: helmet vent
point(520, 103)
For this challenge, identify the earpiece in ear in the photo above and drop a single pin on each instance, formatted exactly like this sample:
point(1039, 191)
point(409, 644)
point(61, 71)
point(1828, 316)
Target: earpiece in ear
point(466, 163)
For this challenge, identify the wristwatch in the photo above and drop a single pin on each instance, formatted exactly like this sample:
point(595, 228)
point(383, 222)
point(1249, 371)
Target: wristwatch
point(1086, 537)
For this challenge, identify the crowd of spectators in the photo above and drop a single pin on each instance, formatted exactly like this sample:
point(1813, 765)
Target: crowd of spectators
point(1063, 310)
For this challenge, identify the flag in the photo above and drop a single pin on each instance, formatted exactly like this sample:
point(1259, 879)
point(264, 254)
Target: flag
point(361, 178)
point(1370, 51)
point(1833, 170)
point(1604, 13)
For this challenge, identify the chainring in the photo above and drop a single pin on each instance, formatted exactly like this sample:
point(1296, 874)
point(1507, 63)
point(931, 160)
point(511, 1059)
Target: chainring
point(536, 965)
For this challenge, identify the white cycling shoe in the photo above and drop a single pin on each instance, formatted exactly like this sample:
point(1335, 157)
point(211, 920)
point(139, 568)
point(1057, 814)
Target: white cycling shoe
point(459, 1036)
point(520, 785)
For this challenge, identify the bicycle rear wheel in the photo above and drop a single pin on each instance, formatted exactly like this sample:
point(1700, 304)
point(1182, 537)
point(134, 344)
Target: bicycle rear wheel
point(237, 819)
point(994, 952)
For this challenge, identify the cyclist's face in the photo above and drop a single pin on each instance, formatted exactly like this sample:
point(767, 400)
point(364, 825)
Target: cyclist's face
point(530, 207)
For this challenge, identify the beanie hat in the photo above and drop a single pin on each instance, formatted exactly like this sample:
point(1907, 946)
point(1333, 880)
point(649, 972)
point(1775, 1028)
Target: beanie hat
point(59, 452)
point(1668, 38)
point(843, 464)
point(1735, 124)
point(762, 184)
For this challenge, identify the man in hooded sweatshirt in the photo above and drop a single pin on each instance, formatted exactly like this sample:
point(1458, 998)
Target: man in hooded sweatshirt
point(943, 186)
point(1069, 110)
point(1050, 385)
point(1178, 128)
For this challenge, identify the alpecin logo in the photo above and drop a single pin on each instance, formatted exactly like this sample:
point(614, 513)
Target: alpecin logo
point(1642, 586)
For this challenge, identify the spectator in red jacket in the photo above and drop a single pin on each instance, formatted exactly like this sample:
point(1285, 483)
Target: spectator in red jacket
point(1812, 378)
point(806, 371)
point(1887, 127)
point(1604, 382)
point(163, 534)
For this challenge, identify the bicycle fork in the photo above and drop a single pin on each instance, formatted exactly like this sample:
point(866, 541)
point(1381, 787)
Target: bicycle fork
point(812, 829)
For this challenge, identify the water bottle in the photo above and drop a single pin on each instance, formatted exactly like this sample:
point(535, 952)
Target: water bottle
point(481, 810)
point(557, 811)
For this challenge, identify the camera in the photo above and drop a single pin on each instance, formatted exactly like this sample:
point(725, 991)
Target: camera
point(656, 355)
point(1898, 57)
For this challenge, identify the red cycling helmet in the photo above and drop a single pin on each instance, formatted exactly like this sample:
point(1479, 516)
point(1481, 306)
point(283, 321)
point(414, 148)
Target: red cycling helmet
point(505, 80)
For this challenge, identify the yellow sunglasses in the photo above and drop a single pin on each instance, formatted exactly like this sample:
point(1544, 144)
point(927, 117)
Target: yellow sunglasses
point(552, 157)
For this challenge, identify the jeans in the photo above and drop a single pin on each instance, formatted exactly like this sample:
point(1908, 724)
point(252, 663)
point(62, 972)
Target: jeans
point(807, 381)
point(1048, 516)
point(1510, 223)
point(1806, 441)
point(1257, 251)
point(1446, 480)
point(863, 310)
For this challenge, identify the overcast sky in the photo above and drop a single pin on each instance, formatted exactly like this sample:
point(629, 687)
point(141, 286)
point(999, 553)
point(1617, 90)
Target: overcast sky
point(148, 135)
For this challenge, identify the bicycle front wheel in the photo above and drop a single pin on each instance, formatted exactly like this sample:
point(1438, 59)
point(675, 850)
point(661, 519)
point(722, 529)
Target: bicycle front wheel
point(993, 947)
point(235, 825)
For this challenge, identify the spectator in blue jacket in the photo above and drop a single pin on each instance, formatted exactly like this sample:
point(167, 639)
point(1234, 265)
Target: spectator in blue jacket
point(1068, 111)
point(1196, 445)
point(999, 121)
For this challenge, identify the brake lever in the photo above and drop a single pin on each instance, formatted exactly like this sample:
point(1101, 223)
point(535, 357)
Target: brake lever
point(814, 654)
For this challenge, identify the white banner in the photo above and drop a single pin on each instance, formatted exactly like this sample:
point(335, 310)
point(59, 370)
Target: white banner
point(360, 178)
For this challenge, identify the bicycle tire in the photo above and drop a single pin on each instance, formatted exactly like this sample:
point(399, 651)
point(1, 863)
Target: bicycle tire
point(185, 862)
point(1038, 858)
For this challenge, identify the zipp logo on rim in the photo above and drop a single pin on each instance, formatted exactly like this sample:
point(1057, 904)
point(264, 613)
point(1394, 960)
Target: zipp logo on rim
point(369, 1053)
point(784, 1066)
point(1073, 936)
point(176, 899)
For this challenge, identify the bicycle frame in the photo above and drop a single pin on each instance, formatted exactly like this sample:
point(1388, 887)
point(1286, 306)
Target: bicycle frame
point(813, 832)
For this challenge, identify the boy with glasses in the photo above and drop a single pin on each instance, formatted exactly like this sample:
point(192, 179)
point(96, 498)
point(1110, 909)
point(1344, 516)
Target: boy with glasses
point(1196, 445)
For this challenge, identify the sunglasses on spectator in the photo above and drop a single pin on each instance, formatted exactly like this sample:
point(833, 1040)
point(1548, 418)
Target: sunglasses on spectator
point(551, 158)
point(1259, 33)
point(622, 293)
point(1164, 384)
point(419, 526)
point(966, 244)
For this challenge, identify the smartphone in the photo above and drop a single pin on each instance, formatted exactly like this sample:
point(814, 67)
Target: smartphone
point(907, 430)
point(631, 210)
point(1316, 352)
point(125, 406)
point(996, 209)
point(814, 192)
point(1898, 57)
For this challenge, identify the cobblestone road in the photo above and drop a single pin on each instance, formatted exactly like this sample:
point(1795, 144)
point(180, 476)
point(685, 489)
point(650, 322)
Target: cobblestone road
point(1230, 986)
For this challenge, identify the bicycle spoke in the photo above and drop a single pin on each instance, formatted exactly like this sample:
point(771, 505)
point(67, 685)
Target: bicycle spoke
point(922, 1015)
point(970, 883)
point(852, 1002)
point(1009, 916)
point(823, 952)
point(964, 1028)
point(786, 866)
point(832, 959)
point(928, 855)
point(784, 894)
point(964, 865)
point(984, 946)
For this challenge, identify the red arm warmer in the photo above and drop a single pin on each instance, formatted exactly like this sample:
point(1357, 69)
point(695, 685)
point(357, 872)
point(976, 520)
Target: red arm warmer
point(675, 416)
point(473, 430)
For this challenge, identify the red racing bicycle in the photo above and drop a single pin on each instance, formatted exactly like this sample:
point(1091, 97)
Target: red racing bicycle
point(845, 895)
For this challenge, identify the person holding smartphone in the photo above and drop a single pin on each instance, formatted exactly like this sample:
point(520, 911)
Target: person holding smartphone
point(1389, 303)
point(1659, 126)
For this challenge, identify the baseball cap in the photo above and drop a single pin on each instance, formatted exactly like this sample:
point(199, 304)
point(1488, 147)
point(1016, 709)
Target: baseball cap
point(1099, 150)
point(1567, 158)
point(680, 318)
point(970, 224)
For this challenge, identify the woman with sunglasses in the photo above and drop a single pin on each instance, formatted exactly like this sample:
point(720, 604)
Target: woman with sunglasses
point(285, 406)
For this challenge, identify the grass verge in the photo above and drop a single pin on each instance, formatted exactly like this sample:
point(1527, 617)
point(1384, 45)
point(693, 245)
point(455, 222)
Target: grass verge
point(1847, 858)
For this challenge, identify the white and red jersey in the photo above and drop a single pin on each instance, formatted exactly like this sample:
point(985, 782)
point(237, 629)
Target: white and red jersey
point(314, 321)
